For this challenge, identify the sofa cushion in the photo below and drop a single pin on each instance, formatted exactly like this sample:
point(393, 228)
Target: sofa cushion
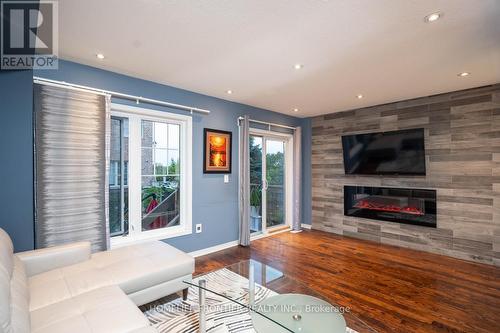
point(62, 283)
point(141, 266)
point(132, 268)
point(103, 310)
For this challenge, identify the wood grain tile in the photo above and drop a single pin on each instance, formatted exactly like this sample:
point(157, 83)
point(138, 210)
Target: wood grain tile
point(462, 134)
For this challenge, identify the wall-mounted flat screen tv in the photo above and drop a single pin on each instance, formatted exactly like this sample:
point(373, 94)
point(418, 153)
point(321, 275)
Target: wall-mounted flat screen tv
point(385, 153)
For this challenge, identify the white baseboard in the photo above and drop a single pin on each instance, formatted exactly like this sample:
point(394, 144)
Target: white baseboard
point(212, 249)
point(227, 245)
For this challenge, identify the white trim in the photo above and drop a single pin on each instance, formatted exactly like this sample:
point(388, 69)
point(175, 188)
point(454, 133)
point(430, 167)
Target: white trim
point(135, 115)
point(213, 249)
point(306, 226)
point(228, 245)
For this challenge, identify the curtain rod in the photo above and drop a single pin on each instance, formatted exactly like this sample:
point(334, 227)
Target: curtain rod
point(267, 123)
point(138, 99)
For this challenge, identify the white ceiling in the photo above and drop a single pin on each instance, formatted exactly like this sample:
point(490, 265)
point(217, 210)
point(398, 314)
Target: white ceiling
point(379, 48)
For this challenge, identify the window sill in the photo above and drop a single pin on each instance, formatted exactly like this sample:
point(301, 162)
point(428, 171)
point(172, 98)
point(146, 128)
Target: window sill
point(121, 241)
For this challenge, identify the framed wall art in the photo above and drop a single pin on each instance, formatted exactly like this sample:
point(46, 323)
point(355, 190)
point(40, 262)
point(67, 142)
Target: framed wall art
point(217, 151)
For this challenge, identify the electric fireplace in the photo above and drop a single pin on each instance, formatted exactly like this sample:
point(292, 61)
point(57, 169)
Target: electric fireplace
point(403, 205)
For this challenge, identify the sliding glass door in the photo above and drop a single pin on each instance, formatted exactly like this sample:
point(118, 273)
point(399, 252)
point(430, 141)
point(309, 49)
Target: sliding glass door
point(269, 170)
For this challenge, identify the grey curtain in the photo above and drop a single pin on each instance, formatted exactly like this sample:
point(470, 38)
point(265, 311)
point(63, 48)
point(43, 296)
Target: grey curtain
point(297, 180)
point(244, 192)
point(70, 167)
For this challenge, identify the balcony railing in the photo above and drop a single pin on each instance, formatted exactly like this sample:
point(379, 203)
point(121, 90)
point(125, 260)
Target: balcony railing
point(165, 214)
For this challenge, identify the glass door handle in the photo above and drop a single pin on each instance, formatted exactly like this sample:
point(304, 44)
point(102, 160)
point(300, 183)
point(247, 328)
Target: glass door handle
point(265, 184)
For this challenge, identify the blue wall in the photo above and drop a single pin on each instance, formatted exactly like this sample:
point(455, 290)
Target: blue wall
point(16, 151)
point(215, 204)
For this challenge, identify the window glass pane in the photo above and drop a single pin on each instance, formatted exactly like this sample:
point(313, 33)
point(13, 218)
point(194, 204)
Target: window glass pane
point(126, 172)
point(118, 190)
point(161, 161)
point(255, 183)
point(125, 128)
point(256, 160)
point(173, 136)
point(159, 180)
point(147, 160)
point(113, 173)
point(160, 202)
point(173, 162)
point(147, 139)
point(160, 135)
point(275, 176)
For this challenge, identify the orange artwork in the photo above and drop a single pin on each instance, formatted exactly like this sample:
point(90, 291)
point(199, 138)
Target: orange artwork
point(217, 151)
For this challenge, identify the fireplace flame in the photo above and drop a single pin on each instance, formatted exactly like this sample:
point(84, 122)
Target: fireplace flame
point(367, 204)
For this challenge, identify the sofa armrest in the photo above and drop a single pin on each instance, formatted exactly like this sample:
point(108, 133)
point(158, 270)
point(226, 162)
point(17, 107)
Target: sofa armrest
point(43, 260)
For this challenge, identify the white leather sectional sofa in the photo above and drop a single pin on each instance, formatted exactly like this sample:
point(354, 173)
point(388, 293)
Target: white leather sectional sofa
point(66, 289)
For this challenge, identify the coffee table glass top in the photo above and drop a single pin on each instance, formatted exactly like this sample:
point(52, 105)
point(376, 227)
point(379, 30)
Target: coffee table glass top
point(276, 302)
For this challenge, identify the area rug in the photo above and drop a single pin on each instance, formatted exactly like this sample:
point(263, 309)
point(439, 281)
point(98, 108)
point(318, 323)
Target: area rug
point(178, 316)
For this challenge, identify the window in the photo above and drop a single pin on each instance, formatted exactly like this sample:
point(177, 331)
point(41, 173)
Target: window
point(153, 149)
point(160, 174)
point(118, 180)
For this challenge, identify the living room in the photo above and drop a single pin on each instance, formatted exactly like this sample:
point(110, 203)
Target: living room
point(249, 166)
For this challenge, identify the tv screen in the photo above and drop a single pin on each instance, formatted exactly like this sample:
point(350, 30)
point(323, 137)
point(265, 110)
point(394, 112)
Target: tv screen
point(385, 153)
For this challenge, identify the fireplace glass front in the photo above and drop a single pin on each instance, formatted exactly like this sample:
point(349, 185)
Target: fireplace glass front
point(403, 205)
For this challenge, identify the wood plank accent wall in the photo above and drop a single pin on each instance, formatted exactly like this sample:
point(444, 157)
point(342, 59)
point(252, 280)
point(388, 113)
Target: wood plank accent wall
point(462, 141)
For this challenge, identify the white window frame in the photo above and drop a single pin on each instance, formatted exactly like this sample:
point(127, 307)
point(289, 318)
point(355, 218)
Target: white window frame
point(135, 115)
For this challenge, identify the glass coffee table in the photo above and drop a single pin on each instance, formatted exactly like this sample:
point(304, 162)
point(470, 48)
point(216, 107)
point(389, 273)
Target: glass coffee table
point(250, 296)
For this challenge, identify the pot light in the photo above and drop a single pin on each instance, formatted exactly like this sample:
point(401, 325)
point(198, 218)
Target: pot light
point(433, 17)
point(463, 74)
point(100, 56)
point(229, 91)
point(359, 96)
point(295, 110)
point(298, 66)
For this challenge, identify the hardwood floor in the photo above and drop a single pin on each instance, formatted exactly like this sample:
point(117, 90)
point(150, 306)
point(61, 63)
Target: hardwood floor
point(391, 288)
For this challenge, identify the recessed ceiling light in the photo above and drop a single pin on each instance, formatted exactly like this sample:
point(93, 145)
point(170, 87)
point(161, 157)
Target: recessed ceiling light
point(359, 96)
point(463, 74)
point(298, 66)
point(229, 91)
point(295, 110)
point(100, 56)
point(433, 17)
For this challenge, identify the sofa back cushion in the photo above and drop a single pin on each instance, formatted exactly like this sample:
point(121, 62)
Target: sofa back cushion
point(14, 292)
